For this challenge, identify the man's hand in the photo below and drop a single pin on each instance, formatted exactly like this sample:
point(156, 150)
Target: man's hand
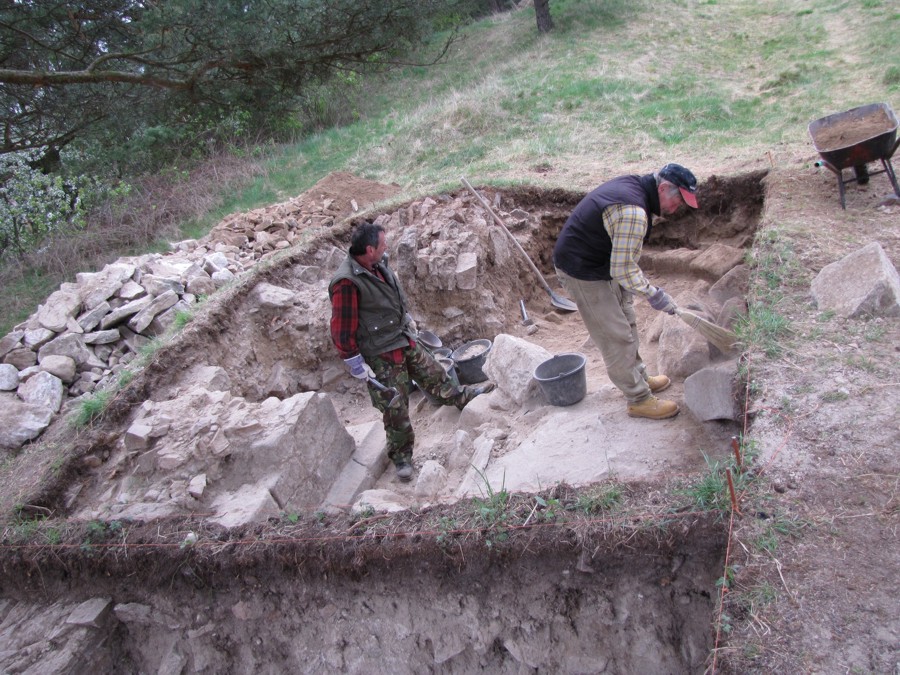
point(662, 301)
point(359, 368)
point(411, 324)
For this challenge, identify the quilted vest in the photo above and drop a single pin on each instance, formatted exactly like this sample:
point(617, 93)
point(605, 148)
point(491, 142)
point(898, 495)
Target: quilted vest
point(583, 248)
point(382, 307)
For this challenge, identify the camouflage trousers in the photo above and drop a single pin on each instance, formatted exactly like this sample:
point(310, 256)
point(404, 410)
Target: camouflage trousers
point(420, 365)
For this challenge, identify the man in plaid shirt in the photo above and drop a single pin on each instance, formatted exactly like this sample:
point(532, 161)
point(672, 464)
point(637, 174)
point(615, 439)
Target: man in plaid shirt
point(375, 335)
point(596, 259)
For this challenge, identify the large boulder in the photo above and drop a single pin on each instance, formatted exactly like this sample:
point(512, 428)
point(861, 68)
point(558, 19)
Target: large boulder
point(864, 282)
point(709, 393)
point(9, 377)
point(511, 363)
point(21, 422)
point(56, 311)
point(682, 350)
point(42, 389)
point(97, 287)
point(68, 344)
point(254, 454)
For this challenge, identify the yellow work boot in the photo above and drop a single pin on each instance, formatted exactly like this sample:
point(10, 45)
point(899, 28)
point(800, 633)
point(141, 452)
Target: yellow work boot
point(658, 383)
point(653, 408)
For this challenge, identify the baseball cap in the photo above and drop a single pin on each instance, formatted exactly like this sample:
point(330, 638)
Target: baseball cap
point(683, 179)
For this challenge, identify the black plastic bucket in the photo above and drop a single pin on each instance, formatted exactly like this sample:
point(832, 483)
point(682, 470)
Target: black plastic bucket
point(470, 359)
point(563, 379)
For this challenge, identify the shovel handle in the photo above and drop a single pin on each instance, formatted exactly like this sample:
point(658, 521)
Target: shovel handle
point(514, 240)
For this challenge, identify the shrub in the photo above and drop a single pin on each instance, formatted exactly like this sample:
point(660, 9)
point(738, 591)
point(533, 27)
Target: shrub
point(33, 205)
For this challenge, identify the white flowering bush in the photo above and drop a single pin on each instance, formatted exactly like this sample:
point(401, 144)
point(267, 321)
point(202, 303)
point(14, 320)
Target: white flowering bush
point(34, 205)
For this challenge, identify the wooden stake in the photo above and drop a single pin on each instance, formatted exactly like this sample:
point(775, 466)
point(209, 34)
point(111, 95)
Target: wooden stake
point(734, 504)
point(737, 452)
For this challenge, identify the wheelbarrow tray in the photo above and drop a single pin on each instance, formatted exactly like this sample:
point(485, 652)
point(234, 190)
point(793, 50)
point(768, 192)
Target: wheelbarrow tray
point(856, 137)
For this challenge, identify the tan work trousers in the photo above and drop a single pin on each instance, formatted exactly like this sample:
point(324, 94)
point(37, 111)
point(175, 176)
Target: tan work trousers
point(608, 314)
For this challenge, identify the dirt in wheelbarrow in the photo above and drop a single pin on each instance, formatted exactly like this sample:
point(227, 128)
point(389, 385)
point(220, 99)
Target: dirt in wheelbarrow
point(851, 131)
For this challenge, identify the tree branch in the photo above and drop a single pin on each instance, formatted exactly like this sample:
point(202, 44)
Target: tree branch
point(36, 78)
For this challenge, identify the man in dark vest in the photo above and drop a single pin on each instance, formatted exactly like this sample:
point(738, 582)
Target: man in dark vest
point(374, 333)
point(596, 259)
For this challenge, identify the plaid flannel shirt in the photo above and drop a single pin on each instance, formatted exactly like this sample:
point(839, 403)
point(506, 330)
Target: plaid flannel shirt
point(626, 226)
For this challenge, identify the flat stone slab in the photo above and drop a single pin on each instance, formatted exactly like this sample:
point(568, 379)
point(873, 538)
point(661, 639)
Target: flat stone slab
point(585, 443)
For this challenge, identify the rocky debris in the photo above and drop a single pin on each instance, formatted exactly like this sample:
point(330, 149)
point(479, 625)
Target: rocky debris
point(368, 462)
point(102, 320)
point(473, 483)
point(42, 389)
point(682, 350)
point(511, 363)
point(236, 460)
point(9, 377)
point(734, 284)
point(862, 283)
point(432, 478)
point(21, 422)
point(378, 501)
point(63, 638)
point(714, 262)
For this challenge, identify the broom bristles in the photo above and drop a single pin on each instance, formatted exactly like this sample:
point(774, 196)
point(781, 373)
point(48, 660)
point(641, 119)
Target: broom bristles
point(722, 338)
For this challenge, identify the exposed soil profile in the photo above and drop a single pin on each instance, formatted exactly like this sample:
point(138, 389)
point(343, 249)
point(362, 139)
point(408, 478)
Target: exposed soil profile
point(419, 593)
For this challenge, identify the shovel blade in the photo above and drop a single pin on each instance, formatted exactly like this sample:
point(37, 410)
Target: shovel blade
point(562, 303)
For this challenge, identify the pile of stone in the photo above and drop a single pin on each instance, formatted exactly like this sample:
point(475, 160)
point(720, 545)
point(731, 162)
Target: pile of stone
point(86, 332)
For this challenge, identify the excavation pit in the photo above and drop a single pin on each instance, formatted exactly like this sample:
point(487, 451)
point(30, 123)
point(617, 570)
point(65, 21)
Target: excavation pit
point(260, 406)
point(588, 591)
point(253, 399)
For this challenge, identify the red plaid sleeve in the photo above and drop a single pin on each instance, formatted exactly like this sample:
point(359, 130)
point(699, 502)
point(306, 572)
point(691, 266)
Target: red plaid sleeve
point(344, 318)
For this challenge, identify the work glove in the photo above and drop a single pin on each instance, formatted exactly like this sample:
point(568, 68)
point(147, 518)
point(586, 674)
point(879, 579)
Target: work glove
point(662, 301)
point(359, 368)
point(411, 325)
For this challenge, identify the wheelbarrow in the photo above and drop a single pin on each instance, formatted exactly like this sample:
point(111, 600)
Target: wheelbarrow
point(853, 139)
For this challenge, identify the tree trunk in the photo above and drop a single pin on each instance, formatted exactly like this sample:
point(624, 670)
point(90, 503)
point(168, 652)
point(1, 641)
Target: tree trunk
point(542, 12)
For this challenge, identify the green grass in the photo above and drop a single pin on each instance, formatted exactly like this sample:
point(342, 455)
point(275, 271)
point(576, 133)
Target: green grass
point(709, 491)
point(763, 327)
point(91, 407)
point(612, 82)
point(599, 499)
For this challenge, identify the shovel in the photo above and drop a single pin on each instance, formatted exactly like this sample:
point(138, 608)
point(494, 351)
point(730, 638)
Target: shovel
point(555, 300)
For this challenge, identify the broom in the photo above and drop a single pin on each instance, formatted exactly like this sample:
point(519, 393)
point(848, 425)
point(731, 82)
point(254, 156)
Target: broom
point(722, 338)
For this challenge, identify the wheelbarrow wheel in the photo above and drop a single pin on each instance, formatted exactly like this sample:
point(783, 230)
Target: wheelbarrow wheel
point(862, 173)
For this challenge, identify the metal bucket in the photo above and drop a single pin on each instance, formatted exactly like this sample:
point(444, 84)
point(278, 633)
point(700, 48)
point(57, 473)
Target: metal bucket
point(470, 359)
point(563, 379)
